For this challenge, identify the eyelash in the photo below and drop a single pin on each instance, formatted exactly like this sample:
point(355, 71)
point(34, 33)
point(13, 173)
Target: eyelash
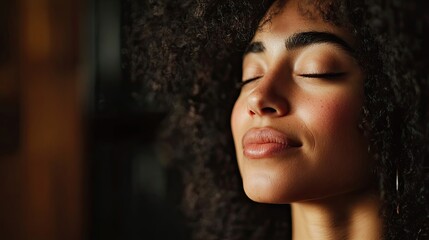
point(244, 82)
point(307, 75)
point(323, 75)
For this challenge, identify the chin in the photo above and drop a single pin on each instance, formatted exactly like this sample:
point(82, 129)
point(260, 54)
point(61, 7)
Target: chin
point(264, 190)
point(268, 189)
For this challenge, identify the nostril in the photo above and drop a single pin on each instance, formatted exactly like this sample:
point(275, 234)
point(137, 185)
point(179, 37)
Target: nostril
point(268, 110)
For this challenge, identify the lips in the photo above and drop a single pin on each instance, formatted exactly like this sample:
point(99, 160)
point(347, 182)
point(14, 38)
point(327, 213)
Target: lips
point(265, 143)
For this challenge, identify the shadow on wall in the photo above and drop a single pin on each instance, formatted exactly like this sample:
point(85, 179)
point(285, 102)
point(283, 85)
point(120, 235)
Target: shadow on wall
point(129, 196)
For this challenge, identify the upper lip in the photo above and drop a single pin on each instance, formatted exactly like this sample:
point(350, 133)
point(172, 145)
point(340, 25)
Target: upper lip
point(266, 135)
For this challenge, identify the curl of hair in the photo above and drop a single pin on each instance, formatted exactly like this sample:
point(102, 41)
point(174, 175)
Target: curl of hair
point(189, 53)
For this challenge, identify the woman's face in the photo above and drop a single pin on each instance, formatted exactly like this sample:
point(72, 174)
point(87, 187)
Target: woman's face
point(295, 123)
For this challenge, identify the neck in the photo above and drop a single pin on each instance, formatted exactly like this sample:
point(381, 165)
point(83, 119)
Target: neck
point(348, 216)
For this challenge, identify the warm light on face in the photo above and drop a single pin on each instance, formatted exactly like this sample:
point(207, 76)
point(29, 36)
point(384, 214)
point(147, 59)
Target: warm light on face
point(295, 123)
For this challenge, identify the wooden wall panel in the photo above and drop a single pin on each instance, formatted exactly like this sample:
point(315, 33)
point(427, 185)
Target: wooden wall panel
point(43, 178)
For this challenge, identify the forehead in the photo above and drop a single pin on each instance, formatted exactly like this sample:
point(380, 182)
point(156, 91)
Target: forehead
point(286, 18)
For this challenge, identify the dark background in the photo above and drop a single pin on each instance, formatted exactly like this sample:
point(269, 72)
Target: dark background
point(78, 157)
point(129, 184)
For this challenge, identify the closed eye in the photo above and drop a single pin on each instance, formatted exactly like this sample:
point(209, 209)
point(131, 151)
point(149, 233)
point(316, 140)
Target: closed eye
point(244, 82)
point(322, 75)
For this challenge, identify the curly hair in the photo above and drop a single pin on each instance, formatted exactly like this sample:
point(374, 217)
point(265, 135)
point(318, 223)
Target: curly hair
point(189, 53)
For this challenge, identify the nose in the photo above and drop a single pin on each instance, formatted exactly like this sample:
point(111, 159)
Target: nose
point(266, 99)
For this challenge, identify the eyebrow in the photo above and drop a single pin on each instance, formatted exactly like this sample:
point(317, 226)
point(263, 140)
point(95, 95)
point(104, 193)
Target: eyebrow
point(255, 47)
point(304, 39)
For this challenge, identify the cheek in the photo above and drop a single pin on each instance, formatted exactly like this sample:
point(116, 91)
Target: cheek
point(334, 123)
point(339, 150)
point(334, 115)
point(237, 121)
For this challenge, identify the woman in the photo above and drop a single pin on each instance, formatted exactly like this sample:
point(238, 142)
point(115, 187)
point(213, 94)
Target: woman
point(328, 123)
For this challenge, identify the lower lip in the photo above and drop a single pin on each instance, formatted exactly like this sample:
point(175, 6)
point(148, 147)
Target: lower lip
point(264, 150)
